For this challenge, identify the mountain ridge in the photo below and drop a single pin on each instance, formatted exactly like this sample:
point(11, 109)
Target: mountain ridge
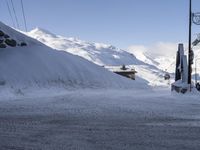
point(103, 55)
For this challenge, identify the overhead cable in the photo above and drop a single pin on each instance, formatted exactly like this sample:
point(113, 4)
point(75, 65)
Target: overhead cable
point(14, 13)
point(25, 23)
point(9, 10)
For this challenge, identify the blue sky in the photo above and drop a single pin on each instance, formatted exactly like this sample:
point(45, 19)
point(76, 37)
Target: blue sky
point(118, 22)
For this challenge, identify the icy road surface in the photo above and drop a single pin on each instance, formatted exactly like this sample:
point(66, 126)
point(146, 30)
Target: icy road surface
point(101, 120)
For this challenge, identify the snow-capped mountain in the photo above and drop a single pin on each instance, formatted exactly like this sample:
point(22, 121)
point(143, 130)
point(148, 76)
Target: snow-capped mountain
point(103, 55)
point(165, 63)
point(168, 62)
point(143, 56)
point(37, 65)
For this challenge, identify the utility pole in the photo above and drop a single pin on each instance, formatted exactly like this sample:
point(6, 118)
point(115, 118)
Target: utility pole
point(189, 46)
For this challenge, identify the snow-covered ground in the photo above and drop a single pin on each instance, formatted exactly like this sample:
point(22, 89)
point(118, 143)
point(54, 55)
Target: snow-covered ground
point(101, 120)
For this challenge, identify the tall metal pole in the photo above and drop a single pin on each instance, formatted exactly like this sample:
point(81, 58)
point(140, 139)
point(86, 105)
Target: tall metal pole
point(189, 45)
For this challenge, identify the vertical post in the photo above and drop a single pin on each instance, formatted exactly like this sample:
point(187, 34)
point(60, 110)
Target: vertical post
point(189, 46)
point(195, 72)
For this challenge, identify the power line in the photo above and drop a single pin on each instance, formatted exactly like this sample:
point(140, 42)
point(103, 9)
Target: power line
point(9, 10)
point(15, 13)
point(25, 24)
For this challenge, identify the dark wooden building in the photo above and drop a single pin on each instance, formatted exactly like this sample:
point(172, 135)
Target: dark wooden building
point(128, 72)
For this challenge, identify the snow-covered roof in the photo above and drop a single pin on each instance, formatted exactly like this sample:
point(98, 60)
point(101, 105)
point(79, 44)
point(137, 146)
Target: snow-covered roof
point(120, 69)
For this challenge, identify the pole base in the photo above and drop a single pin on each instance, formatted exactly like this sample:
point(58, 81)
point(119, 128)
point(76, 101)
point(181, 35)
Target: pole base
point(180, 87)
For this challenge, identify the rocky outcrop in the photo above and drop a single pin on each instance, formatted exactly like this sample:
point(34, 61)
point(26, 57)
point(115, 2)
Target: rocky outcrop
point(7, 41)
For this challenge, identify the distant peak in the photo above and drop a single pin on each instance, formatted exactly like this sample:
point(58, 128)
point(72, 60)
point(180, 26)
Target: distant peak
point(40, 30)
point(73, 39)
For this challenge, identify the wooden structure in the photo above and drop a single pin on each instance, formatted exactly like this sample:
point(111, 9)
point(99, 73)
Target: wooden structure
point(128, 72)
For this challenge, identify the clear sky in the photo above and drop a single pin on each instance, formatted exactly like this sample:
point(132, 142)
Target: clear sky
point(118, 22)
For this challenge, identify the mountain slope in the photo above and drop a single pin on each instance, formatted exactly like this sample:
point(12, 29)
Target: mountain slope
point(37, 65)
point(99, 53)
point(143, 56)
point(102, 54)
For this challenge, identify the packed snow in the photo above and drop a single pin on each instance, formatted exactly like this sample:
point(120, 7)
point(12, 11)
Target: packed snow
point(101, 120)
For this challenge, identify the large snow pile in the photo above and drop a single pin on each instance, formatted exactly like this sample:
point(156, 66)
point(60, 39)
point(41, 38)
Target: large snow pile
point(37, 65)
point(103, 55)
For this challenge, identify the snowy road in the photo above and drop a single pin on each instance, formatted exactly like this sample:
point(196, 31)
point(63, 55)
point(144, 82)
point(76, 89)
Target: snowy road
point(101, 120)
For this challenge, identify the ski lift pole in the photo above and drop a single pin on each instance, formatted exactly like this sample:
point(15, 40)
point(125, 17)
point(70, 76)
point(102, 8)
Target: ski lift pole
point(189, 46)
